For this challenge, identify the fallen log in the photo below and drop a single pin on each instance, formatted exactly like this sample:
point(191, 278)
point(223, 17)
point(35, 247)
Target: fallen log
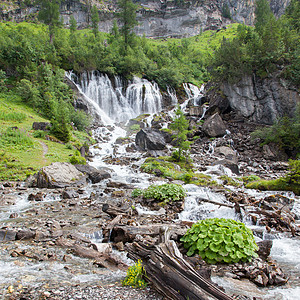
point(127, 233)
point(170, 274)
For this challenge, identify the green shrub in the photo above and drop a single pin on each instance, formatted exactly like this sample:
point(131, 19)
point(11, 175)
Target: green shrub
point(250, 178)
point(135, 127)
point(135, 276)
point(39, 134)
point(136, 193)
point(220, 240)
point(165, 192)
point(77, 159)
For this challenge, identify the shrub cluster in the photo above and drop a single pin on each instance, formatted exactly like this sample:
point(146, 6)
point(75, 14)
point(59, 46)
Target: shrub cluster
point(220, 240)
point(165, 192)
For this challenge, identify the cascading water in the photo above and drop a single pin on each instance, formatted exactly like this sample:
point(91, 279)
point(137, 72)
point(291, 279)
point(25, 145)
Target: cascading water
point(120, 103)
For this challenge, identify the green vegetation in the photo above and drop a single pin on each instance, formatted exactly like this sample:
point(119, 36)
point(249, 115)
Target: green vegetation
point(290, 182)
point(179, 127)
point(220, 240)
point(272, 45)
point(23, 149)
point(135, 276)
point(164, 193)
point(77, 159)
point(166, 167)
point(285, 133)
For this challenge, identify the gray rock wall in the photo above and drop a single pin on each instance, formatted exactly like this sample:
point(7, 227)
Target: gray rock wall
point(262, 100)
point(157, 18)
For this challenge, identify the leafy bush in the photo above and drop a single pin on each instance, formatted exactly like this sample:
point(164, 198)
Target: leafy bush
point(40, 134)
point(135, 276)
point(220, 240)
point(164, 192)
point(77, 159)
point(135, 127)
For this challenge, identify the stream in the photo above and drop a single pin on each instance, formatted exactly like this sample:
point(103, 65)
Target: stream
point(44, 264)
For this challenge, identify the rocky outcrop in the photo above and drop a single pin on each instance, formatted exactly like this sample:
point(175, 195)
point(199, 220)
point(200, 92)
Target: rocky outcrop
point(157, 18)
point(149, 139)
point(94, 174)
point(262, 101)
point(58, 175)
point(214, 126)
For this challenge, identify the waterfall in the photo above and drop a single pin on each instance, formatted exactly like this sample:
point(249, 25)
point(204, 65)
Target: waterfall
point(193, 92)
point(119, 102)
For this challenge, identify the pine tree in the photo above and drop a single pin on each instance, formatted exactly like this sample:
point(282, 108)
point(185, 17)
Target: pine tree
point(95, 19)
point(180, 128)
point(127, 16)
point(50, 15)
point(73, 24)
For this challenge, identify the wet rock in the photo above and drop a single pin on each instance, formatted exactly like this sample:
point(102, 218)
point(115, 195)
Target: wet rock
point(228, 164)
point(119, 185)
point(227, 152)
point(120, 246)
point(58, 175)
point(69, 194)
point(261, 280)
point(7, 235)
point(94, 174)
point(214, 126)
point(102, 247)
point(35, 197)
point(149, 139)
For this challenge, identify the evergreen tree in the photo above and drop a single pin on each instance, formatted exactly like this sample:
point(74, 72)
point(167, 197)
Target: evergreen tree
point(73, 24)
point(180, 128)
point(95, 19)
point(263, 14)
point(50, 15)
point(127, 16)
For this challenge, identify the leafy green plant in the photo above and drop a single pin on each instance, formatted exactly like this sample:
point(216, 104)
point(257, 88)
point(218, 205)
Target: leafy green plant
point(135, 276)
point(135, 127)
point(39, 134)
point(16, 137)
point(165, 192)
point(77, 159)
point(220, 240)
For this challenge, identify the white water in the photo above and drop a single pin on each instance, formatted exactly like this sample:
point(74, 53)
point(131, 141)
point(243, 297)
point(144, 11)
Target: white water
point(115, 104)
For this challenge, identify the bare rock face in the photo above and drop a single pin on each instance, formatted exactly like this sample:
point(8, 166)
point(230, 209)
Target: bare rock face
point(149, 139)
point(58, 175)
point(214, 126)
point(261, 100)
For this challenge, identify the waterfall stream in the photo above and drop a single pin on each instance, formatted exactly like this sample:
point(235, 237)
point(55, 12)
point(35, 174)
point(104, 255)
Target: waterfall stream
point(115, 103)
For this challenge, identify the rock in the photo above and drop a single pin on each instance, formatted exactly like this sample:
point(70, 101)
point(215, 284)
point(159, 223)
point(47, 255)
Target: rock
point(228, 152)
point(94, 174)
point(59, 175)
point(228, 164)
point(7, 235)
point(195, 111)
point(69, 194)
point(102, 247)
point(41, 126)
point(214, 126)
point(35, 197)
point(261, 100)
point(273, 152)
point(149, 139)
point(264, 248)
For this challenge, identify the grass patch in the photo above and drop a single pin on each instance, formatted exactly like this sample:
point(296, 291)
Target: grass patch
point(161, 166)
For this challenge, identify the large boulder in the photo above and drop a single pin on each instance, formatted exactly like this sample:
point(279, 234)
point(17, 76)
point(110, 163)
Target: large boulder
point(214, 126)
point(149, 139)
point(94, 174)
point(41, 126)
point(58, 175)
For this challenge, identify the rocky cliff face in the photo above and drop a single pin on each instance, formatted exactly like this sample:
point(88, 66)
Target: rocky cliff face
point(157, 18)
point(259, 100)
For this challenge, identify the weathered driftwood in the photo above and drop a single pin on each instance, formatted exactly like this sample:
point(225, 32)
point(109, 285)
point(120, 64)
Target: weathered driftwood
point(127, 233)
point(214, 202)
point(106, 231)
point(171, 275)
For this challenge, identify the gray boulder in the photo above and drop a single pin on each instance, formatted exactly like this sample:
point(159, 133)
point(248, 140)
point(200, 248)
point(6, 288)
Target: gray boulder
point(149, 139)
point(214, 126)
point(94, 174)
point(41, 126)
point(58, 175)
